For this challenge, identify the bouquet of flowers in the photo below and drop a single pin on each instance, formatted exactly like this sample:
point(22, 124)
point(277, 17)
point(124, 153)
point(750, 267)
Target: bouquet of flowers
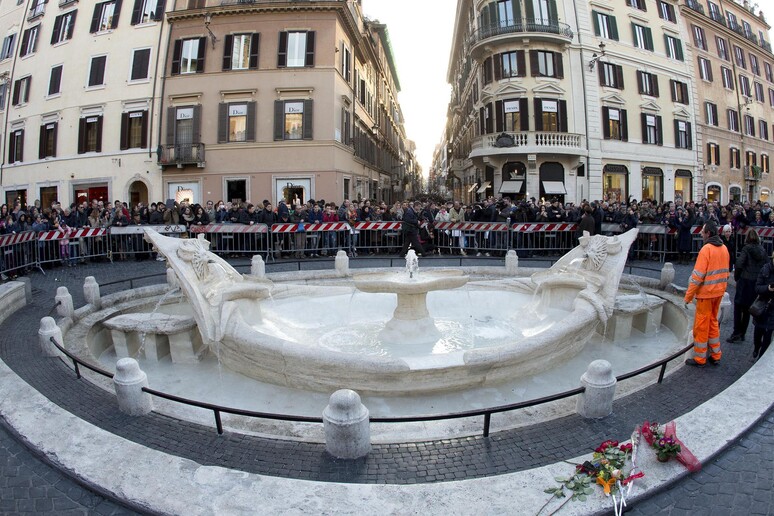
point(667, 445)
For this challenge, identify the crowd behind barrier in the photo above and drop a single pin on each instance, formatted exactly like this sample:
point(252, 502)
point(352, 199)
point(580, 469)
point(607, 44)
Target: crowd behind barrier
point(35, 237)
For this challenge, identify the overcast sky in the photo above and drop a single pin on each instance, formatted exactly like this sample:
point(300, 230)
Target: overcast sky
point(420, 32)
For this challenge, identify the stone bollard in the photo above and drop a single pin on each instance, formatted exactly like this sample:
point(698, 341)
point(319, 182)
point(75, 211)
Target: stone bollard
point(128, 382)
point(342, 263)
point(511, 263)
point(91, 292)
point(667, 276)
point(726, 308)
point(65, 302)
point(258, 267)
point(171, 278)
point(48, 329)
point(346, 423)
point(597, 401)
point(27, 288)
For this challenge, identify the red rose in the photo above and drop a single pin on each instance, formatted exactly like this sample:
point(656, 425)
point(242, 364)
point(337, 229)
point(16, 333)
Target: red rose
point(625, 447)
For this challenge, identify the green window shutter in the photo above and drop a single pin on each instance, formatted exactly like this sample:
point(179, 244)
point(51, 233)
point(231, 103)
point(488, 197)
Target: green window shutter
point(279, 120)
point(516, 10)
point(222, 122)
point(308, 119)
point(595, 19)
point(679, 49)
point(634, 34)
point(250, 129)
point(613, 28)
point(648, 38)
point(530, 11)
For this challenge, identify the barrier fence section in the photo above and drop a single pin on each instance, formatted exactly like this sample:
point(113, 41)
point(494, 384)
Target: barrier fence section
point(127, 241)
point(301, 239)
point(235, 239)
point(73, 246)
point(18, 252)
point(378, 238)
point(490, 238)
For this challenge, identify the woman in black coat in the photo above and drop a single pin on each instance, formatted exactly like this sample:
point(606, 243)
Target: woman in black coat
point(751, 260)
point(764, 325)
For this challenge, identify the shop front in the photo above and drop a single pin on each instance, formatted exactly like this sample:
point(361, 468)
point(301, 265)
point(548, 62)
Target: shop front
point(615, 183)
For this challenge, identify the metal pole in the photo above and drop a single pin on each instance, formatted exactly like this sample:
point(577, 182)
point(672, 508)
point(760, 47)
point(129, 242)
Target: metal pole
point(218, 422)
point(487, 420)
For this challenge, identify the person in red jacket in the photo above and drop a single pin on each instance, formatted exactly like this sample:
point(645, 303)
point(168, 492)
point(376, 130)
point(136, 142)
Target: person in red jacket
point(708, 284)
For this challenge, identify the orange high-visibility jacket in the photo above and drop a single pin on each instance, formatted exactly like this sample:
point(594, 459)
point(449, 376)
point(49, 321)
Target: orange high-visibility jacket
point(710, 274)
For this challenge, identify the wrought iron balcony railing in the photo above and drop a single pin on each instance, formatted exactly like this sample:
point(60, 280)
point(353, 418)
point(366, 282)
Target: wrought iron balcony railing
point(181, 154)
point(527, 26)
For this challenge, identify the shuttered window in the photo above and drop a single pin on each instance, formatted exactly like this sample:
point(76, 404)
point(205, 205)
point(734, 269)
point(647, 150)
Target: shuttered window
point(134, 130)
point(90, 134)
point(140, 64)
point(97, 71)
point(236, 122)
point(55, 80)
point(296, 49)
point(293, 119)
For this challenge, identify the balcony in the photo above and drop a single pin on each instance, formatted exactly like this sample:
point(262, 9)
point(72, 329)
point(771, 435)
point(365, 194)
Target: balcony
point(36, 11)
point(528, 143)
point(536, 29)
point(694, 5)
point(182, 155)
point(752, 172)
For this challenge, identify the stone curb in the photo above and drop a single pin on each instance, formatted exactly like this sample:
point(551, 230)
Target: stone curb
point(152, 480)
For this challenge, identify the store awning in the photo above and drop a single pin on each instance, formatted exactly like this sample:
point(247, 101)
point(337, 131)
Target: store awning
point(472, 187)
point(484, 186)
point(554, 188)
point(513, 187)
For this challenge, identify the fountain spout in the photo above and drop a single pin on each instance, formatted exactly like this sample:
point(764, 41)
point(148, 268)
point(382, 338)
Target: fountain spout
point(412, 263)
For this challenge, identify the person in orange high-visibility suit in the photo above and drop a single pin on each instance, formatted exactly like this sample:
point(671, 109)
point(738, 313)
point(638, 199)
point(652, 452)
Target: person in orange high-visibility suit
point(708, 284)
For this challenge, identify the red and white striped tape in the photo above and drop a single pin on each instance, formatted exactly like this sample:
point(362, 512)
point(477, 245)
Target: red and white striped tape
point(17, 238)
point(378, 226)
point(472, 226)
point(541, 227)
point(230, 228)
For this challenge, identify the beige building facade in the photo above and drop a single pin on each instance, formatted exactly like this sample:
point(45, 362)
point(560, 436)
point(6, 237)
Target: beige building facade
point(282, 100)
point(81, 100)
point(735, 98)
point(577, 100)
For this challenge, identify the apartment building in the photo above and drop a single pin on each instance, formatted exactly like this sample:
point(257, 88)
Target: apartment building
point(575, 100)
point(282, 100)
point(735, 98)
point(80, 101)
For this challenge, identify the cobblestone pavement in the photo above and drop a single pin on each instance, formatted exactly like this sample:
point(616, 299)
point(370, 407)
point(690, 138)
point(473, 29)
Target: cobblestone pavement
point(399, 463)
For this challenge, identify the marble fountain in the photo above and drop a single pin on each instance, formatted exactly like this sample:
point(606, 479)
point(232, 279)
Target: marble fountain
point(414, 341)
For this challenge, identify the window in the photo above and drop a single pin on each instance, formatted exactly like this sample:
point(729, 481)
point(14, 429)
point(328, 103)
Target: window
point(699, 39)
point(505, 13)
point(145, 11)
point(16, 146)
point(21, 91)
point(731, 19)
point(37, 9)
point(755, 67)
point(722, 45)
point(486, 71)
point(714, 11)
point(63, 27)
point(105, 16)
point(679, 92)
point(637, 4)
point(510, 64)
point(652, 131)
point(140, 64)
point(728, 78)
point(3, 95)
point(296, 49)
point(512, 115)
point(705, 69)
point(546, 64)
point(605, 25)
point(611, 75)
point(188, 56)
point(747, 29)
point(184, 131)
point(8, 46)
point(744, 86)
point(615, 124)
point(666, 11)
point(765, 163)
point(647, 83)
point(90, 134)
point(541, 11)
point(47, 143)
point(29, 41)
point(241, 52)
point(97, 71)
point(749, 125)
point(735, 158)
point(750, 159)
point(683, 137)
point(763, 129)
point(713, 154)
point(759, 92)
point(643, 37)
point(771, 97)
point(236, 122)
point(711, 113)
point(550, 115)
point(674, 47)
point(292, 119)
point(733, 120)
point(769, 73)
point(346, 63)
point(55, 81)
point(739, 56)
point(134, 130)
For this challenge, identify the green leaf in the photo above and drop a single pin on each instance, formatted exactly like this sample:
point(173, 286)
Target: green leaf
point(582, 498)
point(560, 479)
point(588, 491)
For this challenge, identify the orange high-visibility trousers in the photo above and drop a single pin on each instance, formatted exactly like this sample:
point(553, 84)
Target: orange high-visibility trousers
point(706, 331)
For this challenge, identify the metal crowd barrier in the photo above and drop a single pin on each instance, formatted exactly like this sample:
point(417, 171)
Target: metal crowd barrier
point(18, 252)
point(301, 240)
point(74, 246)
point(486, 238)
point(235, 239)
point(377, 237)
point(127, 241)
